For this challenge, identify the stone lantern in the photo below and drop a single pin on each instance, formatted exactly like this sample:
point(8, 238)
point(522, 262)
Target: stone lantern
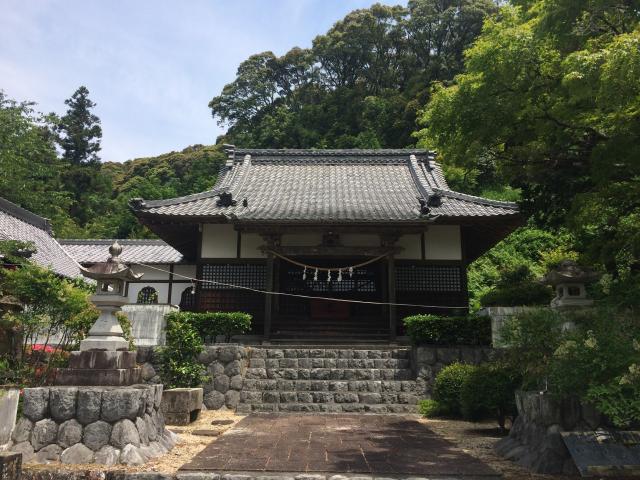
point(111, 287)
point(104, 357)
point(569, 282)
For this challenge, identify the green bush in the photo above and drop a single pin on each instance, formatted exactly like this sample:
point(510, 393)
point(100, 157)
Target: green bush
point(532, 337)
point(215, 324)
point(125, 324)
point(441, 330)
point(489, 392)
point(448, 387)
point(517, 287)
point(428, 408)
point(180, 367)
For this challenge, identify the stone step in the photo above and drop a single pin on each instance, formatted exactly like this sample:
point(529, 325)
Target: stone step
point(365, 398)
point(327, 408)
point(323, 362)
point(330, 373)
point(342, 353)
point(282, 385)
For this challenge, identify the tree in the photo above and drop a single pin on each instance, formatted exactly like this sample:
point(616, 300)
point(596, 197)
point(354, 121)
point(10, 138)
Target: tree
point(31, 171)
point(359, 85)
point(79, 130)
point(551, 95)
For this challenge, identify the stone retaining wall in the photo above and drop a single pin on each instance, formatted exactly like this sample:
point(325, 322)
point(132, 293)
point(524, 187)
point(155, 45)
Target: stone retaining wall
point(227, 366)
point(79, 425)
point(428, 360)
point(535, 440)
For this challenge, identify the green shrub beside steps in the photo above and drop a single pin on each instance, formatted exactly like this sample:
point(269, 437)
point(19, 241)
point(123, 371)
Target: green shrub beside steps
point(442, 330)
point(448, 386)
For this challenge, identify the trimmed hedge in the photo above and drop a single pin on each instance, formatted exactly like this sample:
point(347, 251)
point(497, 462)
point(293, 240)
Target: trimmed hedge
point(441, 330)
point(215, 324)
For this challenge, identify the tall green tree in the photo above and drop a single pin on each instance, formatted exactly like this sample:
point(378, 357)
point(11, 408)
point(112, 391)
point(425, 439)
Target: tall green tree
point(79, 130)
point(359, 85)
point(79, 135)
point(31, 170)
point(551, 95)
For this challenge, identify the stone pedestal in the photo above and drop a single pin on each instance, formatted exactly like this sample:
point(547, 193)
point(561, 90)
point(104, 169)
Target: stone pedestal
point(181, 406)
point(100, 368)
point(105, 425)
point(9, 397)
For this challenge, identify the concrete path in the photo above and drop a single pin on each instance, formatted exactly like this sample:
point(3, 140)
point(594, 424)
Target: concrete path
point(378, 445)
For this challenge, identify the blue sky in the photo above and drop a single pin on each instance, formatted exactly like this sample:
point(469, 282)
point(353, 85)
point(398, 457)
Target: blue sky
point(151, 65)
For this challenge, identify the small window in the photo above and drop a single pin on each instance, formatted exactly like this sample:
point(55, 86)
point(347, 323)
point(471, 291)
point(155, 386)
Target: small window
point(188, 299)
point(148, 295)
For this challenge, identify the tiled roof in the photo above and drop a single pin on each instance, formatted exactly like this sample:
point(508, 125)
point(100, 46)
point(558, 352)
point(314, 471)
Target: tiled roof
point(142, 251)
point(338, 186)
point(16, 223)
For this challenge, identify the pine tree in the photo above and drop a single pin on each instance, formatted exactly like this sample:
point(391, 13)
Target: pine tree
point(79, 135)
point(79, 130)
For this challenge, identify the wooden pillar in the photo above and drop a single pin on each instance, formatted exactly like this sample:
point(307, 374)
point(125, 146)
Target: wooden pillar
point(170, 284)
point(391, 286)
point(268, 300)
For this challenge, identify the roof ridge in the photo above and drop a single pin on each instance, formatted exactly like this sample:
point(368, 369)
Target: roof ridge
point(108, 241)
point(25, 215)
point(476, 199)
point(291, 152)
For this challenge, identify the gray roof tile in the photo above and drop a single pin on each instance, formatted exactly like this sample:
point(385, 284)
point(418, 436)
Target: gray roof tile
point(142, 251)
point(16, 223)
point(335, 186)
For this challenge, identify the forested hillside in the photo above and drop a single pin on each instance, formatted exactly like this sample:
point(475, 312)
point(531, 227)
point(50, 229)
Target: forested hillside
point(535, 101)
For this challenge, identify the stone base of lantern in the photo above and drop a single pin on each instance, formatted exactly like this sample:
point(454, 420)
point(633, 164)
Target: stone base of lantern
point(100, 368)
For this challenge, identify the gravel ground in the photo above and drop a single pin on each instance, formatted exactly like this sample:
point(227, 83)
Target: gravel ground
point(477, 439)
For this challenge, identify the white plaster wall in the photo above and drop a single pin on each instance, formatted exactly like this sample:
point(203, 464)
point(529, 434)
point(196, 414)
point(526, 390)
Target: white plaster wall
point(442, 242)
point(359, 240)
point(249, 245)
point(219, 241)
point(301, 239)
point(411, 247)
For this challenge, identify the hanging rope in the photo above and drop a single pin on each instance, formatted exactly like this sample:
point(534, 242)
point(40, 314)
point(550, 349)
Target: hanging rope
point(350, 268)
point(282, 294)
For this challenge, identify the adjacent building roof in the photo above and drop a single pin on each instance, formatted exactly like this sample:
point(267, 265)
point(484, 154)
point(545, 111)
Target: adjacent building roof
point(16, 223)
point(133, 251)
point(327, 186)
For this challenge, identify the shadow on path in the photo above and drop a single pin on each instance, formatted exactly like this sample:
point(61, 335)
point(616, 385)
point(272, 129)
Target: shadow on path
point(340, 443)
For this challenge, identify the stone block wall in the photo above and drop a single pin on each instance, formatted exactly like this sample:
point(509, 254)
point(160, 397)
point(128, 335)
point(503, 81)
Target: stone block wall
point(226, 365)
point(79, 425)
point(428, 360)
point(535, 440)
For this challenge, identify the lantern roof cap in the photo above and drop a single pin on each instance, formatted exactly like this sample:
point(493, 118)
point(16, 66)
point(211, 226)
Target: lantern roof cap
point(568, 271)
point(113, 268)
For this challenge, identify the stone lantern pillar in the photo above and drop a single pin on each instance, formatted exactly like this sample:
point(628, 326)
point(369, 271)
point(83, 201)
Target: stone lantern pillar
point(569, 282)
point(104, 358)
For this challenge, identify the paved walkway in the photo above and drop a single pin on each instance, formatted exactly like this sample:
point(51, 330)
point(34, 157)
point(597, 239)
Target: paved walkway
point(371, 444)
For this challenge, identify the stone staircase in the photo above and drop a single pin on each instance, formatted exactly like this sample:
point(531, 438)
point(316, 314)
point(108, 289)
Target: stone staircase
point(334, 379)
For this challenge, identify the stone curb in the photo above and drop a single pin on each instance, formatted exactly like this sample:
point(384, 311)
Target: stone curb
point(40, 474)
